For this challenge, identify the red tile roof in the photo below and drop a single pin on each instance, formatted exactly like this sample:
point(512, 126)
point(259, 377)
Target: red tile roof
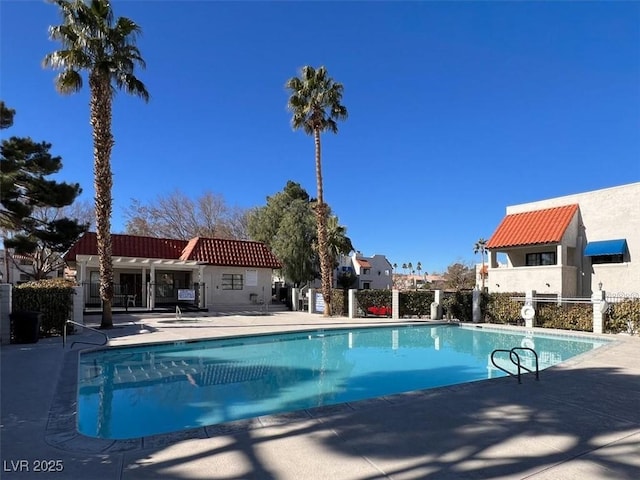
point(129, 246)
point(240, 253)
point(533, 228)
point(213, 251)
point(363, 263)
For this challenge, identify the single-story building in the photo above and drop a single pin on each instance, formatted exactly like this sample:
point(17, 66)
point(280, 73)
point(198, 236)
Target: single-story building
point(569, 246)
point(160, 272)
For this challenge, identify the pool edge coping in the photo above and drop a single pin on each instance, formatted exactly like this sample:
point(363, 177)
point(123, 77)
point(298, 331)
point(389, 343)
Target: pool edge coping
point(61, 429)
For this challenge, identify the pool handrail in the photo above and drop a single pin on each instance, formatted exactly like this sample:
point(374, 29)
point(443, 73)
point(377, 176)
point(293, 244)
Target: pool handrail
point(522, 366)
point(512, 353)
point(64, 335)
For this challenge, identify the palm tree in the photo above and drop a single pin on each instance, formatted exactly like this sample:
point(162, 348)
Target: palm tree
point(418, 268)
point(481, 247)
point(315, 104)
point(95, 42)
point(337, 241)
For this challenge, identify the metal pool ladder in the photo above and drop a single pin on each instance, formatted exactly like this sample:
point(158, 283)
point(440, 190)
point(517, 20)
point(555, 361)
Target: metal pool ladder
point(515, 359)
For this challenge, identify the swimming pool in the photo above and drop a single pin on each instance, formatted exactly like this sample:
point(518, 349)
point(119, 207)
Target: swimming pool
point(131, 392)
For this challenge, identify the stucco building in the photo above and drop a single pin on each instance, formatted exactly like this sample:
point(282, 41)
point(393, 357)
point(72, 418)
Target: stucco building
point(569, 246)
point(154, 272)
point(373, 273)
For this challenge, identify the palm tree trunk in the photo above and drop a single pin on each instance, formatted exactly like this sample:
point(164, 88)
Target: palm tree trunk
point(321, 219)
point(101, 98)
point(316, 138)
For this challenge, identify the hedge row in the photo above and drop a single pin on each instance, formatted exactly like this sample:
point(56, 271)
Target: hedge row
point(53, 298)
point(502, 308)
point(623, 317)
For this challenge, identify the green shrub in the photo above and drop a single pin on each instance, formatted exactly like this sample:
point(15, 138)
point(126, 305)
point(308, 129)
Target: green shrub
point(373, 298)
point(415, 303)
point(500, 307)
point(53, 298)
point(623, 317)
point(340, 302)
point(565, 317)
point(459, 305)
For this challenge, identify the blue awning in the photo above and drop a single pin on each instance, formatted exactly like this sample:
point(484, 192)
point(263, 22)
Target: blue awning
point(606, 247)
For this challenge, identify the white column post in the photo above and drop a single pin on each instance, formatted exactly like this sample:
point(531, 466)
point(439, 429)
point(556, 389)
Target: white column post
point(78, 304)
point(295, 295)
point(312, 300)
point(491, 259)
point(144, 288)
point(529, 300)
point(600, 306)
point(201, 287)
point(82, 273)
point(151, 291)
point(353, 303)
point(395, 304)
point(476, 312)
point(560, 254)
point(438, 300)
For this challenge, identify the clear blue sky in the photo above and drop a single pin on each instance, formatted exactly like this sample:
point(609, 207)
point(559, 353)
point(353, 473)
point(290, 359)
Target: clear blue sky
point(456, 109)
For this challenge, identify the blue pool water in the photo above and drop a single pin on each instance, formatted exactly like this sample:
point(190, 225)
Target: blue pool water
point(132, 392)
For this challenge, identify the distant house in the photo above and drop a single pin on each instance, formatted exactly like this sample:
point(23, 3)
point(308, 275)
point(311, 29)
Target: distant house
point(17, 269)
point(373, 273)
point(157, 272)
point(569, 246)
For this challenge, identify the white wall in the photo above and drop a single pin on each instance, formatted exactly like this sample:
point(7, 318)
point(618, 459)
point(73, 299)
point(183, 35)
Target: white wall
point(379, 276)
point(217, 296)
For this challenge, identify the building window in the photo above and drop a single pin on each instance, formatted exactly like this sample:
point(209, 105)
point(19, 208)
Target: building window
point(232, 281)
point(366, 286)
point(617, 258)
point(366, 271)
point(543, 258)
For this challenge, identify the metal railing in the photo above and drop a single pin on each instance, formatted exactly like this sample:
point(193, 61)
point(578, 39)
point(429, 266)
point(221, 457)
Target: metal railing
point(124, 296)
point(64, 335)
point(512, 354)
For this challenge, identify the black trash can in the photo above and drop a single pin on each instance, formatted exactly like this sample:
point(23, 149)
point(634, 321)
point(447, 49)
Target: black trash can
point(26, 326)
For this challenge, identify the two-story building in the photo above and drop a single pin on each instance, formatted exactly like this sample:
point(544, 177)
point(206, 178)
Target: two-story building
point(373, 273)
point(569, 246)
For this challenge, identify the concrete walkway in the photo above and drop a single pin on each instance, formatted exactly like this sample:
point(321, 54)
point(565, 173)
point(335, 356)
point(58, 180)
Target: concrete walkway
point(582, 420)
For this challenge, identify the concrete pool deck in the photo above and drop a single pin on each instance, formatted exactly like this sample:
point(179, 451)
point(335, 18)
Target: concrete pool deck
point(581, 420)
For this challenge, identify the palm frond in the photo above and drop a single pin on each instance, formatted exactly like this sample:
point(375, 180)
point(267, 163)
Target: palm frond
point(132, 85)
point(96, 43)
point(68, 81)
point(315, 101)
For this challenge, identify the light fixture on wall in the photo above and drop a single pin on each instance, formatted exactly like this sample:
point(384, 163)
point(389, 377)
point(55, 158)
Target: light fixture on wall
point(547, 284)
point(498, 285)
point(600, 286)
